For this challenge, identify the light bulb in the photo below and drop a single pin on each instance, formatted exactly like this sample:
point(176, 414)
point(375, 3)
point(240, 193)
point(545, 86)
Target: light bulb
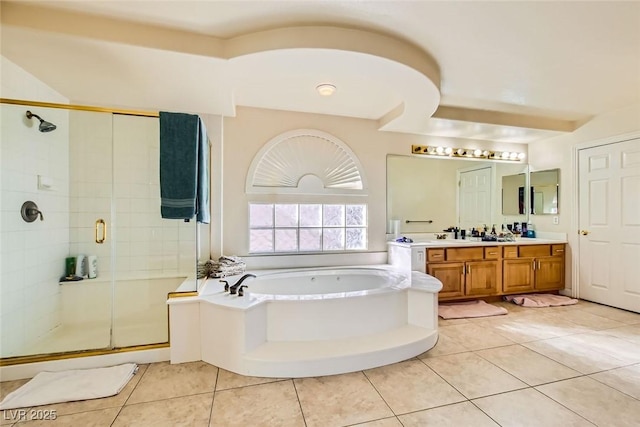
point(513, 156)
point(506, 155)
point(477, 152)
point(431, 150)
point(485, 153)
point(460, 151)
point(439, 150)
point(521, 156)
point(326, 89)
point(448, 150)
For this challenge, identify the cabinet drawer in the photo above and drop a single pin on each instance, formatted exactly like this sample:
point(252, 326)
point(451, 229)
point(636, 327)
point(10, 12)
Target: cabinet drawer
point(557, 250)
point(492, 253)
point(510, 252)
point(435, 255)
point(532, 251)
point(464, 254)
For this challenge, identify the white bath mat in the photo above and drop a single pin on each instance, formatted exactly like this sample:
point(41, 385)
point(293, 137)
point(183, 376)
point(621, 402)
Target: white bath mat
point(67, 386)
point(461, 310)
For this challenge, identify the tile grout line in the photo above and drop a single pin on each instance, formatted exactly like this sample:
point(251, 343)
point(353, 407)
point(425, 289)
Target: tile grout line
point(304, 419)
point(252, 385)
point(130, 394)
point(213, 397)
point(378, 391)
point(566, 407)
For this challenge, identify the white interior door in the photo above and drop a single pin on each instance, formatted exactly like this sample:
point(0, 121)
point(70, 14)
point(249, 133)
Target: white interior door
point(609, 220)
point(475, 198)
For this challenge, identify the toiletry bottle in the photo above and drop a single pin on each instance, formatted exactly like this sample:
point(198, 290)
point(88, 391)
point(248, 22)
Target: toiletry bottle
point(92, 266)
point(70, 266)
point(80, 270)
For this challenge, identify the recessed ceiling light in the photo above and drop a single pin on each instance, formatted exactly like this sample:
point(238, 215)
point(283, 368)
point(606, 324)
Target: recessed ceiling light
point(326, 89)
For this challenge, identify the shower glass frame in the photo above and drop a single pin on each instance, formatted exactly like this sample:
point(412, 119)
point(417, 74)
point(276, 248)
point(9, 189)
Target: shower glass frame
point(122, 299)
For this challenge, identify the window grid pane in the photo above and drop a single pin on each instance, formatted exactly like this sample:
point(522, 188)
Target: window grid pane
point(286, 240)
point(311, 227)
point(260, 215)
point(286, 215)
point(261, 240)
point(333, 215)
point(310, 215)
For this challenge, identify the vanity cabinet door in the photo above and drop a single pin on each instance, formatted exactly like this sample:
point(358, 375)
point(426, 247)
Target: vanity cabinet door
point(451, 274)
point(550, 273)
point(517, 275)
point(482, 278)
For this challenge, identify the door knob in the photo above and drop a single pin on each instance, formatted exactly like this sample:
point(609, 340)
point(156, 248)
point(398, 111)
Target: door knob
point(584, 232)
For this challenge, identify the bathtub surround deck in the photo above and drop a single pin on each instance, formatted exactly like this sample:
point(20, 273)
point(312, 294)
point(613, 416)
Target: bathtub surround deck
point(276, 333)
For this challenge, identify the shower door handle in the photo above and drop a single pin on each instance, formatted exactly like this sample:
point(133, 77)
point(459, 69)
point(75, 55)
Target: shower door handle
point(101, 237)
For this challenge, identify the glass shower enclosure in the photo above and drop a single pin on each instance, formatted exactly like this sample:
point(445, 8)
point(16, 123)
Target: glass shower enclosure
point(95, 183)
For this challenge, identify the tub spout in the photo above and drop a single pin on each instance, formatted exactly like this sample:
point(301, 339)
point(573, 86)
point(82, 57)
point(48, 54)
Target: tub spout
point(233, 289)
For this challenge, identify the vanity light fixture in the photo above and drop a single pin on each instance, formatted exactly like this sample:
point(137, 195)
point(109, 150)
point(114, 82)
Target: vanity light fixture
point(326, 89)
point(476, 153)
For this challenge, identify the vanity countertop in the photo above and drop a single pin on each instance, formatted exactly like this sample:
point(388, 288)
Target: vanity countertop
point(453, 243)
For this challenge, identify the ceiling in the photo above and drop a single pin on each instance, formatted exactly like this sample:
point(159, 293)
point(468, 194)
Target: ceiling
point(503, 71)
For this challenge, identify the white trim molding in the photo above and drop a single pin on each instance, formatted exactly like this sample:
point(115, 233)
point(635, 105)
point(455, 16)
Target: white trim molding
point(306, 161)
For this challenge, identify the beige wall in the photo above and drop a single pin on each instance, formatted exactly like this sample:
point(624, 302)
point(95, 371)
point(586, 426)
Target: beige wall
point(246, 133)
point(558, 153)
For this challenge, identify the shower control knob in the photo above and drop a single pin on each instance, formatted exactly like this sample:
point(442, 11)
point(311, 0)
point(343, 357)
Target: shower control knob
point(30, 212)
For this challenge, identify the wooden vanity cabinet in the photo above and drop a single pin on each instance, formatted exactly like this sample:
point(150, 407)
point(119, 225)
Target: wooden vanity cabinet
point(451, 274)
point(465, 272)
point(533, 268)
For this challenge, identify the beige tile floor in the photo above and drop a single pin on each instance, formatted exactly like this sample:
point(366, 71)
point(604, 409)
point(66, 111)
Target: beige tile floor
point(564, 366)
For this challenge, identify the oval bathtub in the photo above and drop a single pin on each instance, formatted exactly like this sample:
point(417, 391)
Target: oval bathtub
point(311, 322)
point(325, 283)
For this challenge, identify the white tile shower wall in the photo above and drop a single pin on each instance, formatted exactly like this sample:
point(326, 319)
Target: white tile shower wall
point(32, 253)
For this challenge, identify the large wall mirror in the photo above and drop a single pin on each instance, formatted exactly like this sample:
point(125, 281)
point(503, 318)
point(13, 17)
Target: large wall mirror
point(545, 192)
point(514, 194)
point(423, 193)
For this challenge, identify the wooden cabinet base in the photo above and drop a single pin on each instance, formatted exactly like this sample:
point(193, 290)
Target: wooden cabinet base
point(472, 273)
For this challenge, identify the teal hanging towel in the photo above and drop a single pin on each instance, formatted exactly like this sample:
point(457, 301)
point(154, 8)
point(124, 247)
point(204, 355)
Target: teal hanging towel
point(184, 181)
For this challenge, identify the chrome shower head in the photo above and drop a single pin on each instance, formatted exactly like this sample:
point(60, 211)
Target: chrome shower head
point(45, 126)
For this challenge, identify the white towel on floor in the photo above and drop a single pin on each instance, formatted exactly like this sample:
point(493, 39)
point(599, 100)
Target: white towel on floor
point(66, 386)
point(540, 300)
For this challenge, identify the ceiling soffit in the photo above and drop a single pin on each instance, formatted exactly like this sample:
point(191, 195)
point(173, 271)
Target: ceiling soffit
point(378, 76)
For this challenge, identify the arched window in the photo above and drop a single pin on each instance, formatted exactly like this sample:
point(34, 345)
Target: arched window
point(307, 162)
